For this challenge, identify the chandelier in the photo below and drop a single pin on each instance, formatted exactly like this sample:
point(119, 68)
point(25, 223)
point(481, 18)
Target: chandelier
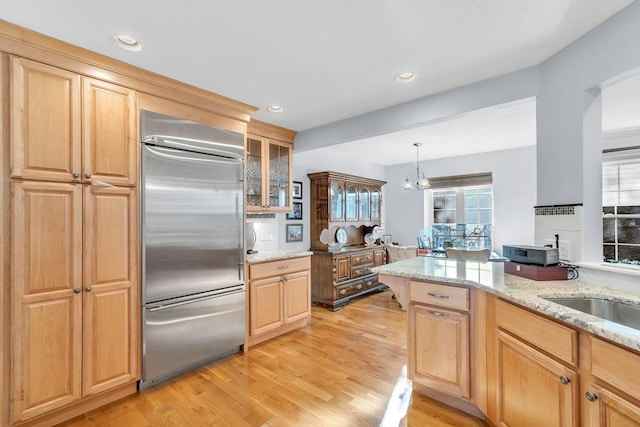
point(422, 181)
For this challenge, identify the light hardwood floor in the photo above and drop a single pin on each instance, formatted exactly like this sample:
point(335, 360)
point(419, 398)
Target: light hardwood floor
point(338, 371)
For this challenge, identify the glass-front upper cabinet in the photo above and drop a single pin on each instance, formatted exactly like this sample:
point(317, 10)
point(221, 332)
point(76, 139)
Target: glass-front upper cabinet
point(375, 204)
point(351, 203)
point(279, 175)
point(336, 195)
point(268, 168)
point(254, 172)
point(364, 209)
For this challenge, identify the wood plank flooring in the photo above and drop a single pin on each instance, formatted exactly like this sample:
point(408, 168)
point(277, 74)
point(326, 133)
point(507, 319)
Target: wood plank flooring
point(338, 371)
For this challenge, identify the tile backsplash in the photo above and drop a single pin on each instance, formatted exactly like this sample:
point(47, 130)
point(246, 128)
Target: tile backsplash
point(567, 223)
point(266, 228)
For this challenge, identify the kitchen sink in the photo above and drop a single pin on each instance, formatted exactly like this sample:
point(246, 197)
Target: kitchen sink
point(618, 312)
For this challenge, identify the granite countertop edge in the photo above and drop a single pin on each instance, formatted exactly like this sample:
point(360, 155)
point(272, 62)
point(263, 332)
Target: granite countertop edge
point(528, 293)
point(275, 255)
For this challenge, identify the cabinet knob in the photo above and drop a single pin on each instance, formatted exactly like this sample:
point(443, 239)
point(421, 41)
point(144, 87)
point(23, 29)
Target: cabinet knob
point(591, 397)
point(77, 290)
point(87, 175)
point(283, 267)
point(76, 175)
point(88, 288)
point(343, 291)
point(565, 380)
point(358, 286)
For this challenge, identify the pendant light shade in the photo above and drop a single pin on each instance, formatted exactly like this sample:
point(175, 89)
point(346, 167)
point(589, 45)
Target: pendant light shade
point(422, 181)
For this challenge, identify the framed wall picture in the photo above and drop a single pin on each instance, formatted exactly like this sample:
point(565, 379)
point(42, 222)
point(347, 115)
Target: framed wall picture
point(296, 213)
point(294, 232)
point(296, 190)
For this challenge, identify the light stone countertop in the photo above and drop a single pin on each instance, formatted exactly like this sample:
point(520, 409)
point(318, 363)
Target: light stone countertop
point(275, 255)
point(490, 277)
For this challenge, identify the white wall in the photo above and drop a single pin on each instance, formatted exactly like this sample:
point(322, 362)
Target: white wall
point(569, 127)
point(514, 194)
point(317, 161)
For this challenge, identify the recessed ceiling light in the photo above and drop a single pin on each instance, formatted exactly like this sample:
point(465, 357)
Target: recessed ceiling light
point(275, 109)
point(405, 77)
point(127, 43)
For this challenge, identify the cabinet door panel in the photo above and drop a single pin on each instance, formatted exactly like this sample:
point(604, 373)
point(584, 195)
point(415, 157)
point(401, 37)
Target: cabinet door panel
point(45, 121)
point(342, 268)
point(610, 410)
point(47, 359)
point(441, 349)
point(266, 306)
point(48, 236)
point(297, 296)
point(364, 204)
point(255, 184)
point(110, 306)
point(46, 312)
point(279, 176)
point(351, 203)
point(336, 200)
point(110, 133)
point(376, 204)
point(530, 392)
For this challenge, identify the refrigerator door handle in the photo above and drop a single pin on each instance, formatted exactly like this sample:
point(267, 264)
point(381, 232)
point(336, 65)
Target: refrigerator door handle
point(172, 145)
point(191, 301)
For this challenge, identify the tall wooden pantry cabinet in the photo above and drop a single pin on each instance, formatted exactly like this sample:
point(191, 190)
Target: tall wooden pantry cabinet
point(69, 230)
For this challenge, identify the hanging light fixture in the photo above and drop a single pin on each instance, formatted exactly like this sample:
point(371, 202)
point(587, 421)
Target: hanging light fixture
point(422, 181)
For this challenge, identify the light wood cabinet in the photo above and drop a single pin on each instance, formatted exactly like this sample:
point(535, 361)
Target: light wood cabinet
point(268, 168)
point(110, 136)
point(279, 298)
point(440, 349)
point(611, 386)
point(438, 339)
point(70, 119)
point(74, 316)
point(71, 128)
point(535, 370)
point(533, 389)
point(605, 408)
point(266, 311)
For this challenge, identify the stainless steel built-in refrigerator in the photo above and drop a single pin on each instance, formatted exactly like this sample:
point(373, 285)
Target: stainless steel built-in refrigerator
point(192, 245)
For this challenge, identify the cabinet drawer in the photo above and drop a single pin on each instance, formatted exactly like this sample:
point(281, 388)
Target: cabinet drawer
point(276, 268)
point(616, 366)
point(557, 340)
point(440, 295)
point(348, 289)
point(370, 282)
point(357, 272)
point(362, 259)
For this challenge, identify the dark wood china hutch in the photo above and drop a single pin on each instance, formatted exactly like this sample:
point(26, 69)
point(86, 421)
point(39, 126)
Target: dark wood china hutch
point(344, 211)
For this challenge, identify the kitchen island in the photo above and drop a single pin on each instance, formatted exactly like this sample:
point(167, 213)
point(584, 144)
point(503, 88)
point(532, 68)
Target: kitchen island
point(488, 343)
point(490, 277)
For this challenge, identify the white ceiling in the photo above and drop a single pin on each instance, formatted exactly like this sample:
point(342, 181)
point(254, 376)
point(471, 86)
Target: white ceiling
point(325, 60)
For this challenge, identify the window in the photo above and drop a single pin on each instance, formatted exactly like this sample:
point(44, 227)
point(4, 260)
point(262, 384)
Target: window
point(465, 205)
point(621, 206)
point(462, 214)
